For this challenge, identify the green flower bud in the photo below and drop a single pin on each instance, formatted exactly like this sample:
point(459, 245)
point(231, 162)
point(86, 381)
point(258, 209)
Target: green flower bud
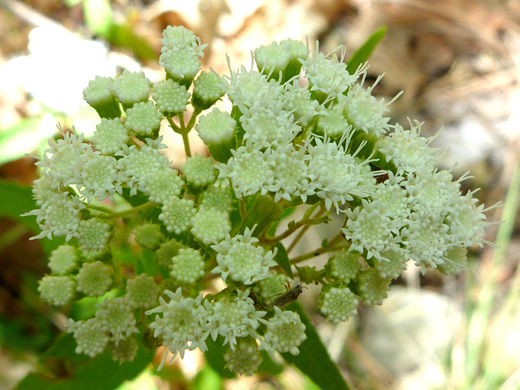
point(110, 136)
point(166, 252)
point(131, 88)
point(142, 292)
point(149, 236)
point(94, 234)
point(94, 279)
point(337, 303)
point(210, 225)
point(144, 119)
point(343, 266)
point(245, 358)
point(99, 96)
point(372, 288)
point(217, 130)
point(63, 260)
point(57, 290)
point(171, 98)
point(176, 214)
point(199, 172)
point(209, 87)
point(188, 266)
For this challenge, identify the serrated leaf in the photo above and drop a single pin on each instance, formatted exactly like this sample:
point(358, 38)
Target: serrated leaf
point(314, 360)
point(283, 259)
point(362, 54)
point(83, 373)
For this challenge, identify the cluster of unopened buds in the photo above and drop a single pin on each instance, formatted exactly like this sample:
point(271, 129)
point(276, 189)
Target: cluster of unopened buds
point(304, 138)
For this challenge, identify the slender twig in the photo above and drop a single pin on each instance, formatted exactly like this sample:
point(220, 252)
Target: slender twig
point(317, 252)
point(193, 118)
point(173, 125)
point(292, 229)
point(242, 206)
point(124, 213)
point(320, 212)
point(186, 142)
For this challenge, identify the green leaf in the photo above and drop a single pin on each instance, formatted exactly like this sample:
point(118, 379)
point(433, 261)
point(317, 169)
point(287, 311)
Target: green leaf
point(268, 366)
point(65, 370)
point(283, 259)
point(363, 53)
point(207, 379)
point(314, 360)
point(15, 200)
point(22, 138)
point(262, 212)
point(124, 36)
point(215, 357)
point(98, 16)
point(286, 213)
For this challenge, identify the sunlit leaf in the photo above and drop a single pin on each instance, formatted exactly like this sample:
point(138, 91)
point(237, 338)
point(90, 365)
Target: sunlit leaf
point(362, 54)
point(98, 16)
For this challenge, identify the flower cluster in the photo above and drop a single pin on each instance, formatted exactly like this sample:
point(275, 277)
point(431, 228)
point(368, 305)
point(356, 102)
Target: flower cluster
point(303, 132)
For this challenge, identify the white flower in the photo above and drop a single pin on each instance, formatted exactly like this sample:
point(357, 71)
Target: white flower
point(336, 175)
point(136, 163)
point(268, 126)
point(290, 173)
point(58, 216)
point(99, 178)
point(338, 304)
point(234, 318)
point(249, 172)
point(242, 260)
point(407, 149)
point(364, 111)
point(90, 339)
point(116, 317)
point(327, 73)
point(284, 332)
point(369, 230)
point(181, 323)
point(249, 89)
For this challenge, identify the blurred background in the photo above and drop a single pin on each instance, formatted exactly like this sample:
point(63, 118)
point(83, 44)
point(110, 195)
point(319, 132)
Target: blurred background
point(458, 63)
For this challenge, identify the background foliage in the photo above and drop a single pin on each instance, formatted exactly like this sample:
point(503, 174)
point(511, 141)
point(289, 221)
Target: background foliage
point(457, 62)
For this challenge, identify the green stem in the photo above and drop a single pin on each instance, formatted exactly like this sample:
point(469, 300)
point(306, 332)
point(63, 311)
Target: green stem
point(124, 213)
point(320, 212)
point(186, 142)
point(134, 210)
point(317, 252)
point(99, 208)
point(193, 118)
point(173, 125)
point(291, 230)
point(243, 211)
